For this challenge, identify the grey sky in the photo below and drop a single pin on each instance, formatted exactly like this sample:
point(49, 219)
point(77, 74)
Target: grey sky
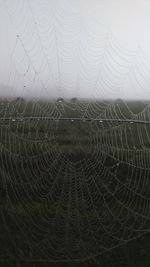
point(83, 48)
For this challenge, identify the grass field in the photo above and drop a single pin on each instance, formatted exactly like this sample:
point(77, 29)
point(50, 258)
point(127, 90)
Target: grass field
point(72, 189)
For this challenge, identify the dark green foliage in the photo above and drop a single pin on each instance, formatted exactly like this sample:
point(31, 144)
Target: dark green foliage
point(75, 141)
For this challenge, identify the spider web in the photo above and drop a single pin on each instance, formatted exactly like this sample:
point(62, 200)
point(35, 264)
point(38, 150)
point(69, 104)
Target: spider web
point(76, 188)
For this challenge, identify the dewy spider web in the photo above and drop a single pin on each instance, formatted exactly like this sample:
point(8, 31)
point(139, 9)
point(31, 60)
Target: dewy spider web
point(71, 190)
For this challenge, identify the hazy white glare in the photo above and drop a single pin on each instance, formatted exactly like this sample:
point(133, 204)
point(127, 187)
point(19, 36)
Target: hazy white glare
point(90, 49)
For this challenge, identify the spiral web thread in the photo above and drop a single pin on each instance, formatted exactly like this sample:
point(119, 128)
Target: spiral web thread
point(72, 189)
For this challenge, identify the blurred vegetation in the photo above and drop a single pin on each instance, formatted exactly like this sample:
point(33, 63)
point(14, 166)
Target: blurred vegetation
point(75, 140)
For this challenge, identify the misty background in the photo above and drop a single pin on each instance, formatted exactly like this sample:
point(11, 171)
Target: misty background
point(75, 48)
